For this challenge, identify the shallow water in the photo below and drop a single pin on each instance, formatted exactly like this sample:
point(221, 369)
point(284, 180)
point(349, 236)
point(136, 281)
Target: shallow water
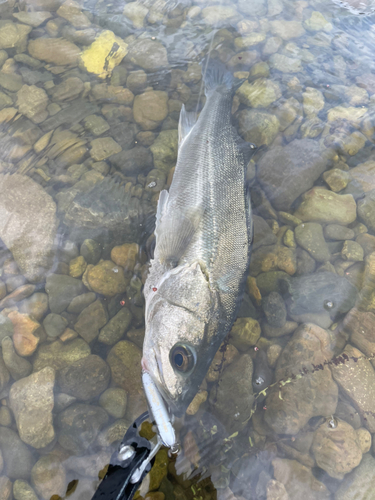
point(89, 104)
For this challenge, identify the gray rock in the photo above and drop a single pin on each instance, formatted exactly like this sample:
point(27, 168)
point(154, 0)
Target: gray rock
point(32, 102)
point(10, 81)
point(61, 290)
point(263, 234)
point(322, 292)
point(62, 401)
point(70, 115)
point(91, 319)
point(310, 237)
point(258, 127)
point(360, 483)
point(233, 398)
point(79, 426)
point(286, 172)
point(6, 327)
point(23, 491)
point(113, 434)
point(58, 354)
point(79, 303)
point(116, 327)
point(16, 296)
point(366, 209)
point(54, 325)
point(114, 400)
point(337, 232)
point(31, 400)
point(133, 160)
point(29, 227)
point(15, 282)
point(285, 64)
point(290, 406)
point(148, 54)
point(17, 456)
point(18, 367)
point(96, 125)
point(85, 379)
point(48, 477)
point(256, 8)
point(6, 417)
point(274, 310)
point(305, 263)
point(13, 35)
point(91, 251)
point(68, 90)
point(35, 306)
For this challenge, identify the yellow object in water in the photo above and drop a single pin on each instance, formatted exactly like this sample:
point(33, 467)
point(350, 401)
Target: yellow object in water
point(106, 52)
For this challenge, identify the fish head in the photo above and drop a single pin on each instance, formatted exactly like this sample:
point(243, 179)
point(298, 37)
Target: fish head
point(179, 343)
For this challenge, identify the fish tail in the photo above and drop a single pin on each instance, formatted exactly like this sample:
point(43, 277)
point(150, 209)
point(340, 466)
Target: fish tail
point(216, 76)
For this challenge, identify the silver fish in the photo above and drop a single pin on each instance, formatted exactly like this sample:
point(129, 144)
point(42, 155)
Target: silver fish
point(202, 252)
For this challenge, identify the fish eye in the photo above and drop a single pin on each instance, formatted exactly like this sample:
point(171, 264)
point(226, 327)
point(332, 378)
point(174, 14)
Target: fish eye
point(182, 358)
point(328, 305)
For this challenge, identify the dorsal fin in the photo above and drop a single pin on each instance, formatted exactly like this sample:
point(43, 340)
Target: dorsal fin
point(187, 121)
point(163, 199)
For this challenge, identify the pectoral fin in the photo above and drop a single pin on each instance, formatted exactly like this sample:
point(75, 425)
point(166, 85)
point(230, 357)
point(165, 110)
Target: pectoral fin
point(175, 232)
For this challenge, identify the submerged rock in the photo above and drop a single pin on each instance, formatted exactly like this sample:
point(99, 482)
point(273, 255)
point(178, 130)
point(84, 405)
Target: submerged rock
point(27, 224)
point(290, 406)
point(286, 172)
point(61, 290)
point(31, 400)
point(319, 293)
point(125, 361)
point(18, 458)
point(48, 477)
point(360, 483)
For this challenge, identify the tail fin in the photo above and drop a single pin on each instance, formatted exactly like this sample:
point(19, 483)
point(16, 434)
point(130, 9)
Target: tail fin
point(216, 76)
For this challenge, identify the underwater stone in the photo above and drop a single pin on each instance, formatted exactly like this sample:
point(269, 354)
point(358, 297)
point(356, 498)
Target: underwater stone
point(61, 290)
point(245, 333)
point(360, 483)
point(258, 127)
point(114, 400)
point(91, 319)
point(150, 108)
point(366, 209)
point(116, 327)
point(48, 477)
point(79, 303)
point(164, 150)
point(125, 361)
point(287, 172)
point(85, 379)
point(274, 310)
point(17, 456)
point(310, 237)
point(259, 94)
point(54, 50)
point(59, 355)
point(54, 325)
point(31, 400)
point(148, 54)
point(23, 491)
point(18, 367)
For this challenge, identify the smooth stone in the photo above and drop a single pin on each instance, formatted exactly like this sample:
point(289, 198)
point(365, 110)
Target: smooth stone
point(104, 147)
point(116, 327)
point(125, 255)
point(258, 127)
point(79, 303)
point(319, 293)
point(217, 15)
point(96, 125)
point(59, 355)
point(355, 377)
point(110, 93)
point(299, 480)
point(79, 426)
point(114, 433)
point(272, 45)
point(164, 150)
point(367, 242)
point(32, 102)
point(31, 400)
point(269, 281)
point(310, 237)
point(284, 63)
point(91, 251)
point(317, 22)
point(107, 279)
point(290, 406)
point(23, 491)
point(245, 333)
point(77, 267)
point(48, 477)
point(287, 29)
point(352, 251)
point(249, 40)
point(366, 209)
point(263, 234)
point(360, 483)
point(54, 325)
point(352, 114)
point(71, 114)
point(336, 179)
point(33, 19)
point(15, 282)
point(125, 361)
point(272, 331)
point(6, 327)
point(61, 290)
point(29, 226)
point(313, 102)
point(89, 465)
point(114, 400)
point(287, 172)
point(68, 90)
point(17, 455)
point(336, 448)
point(85, 379)
point(323, 206)
point(71, 11)
point(337, 232)
point(233, 398)
point(363, 174)
point(134, 160)
point(150, 108)
point(19, 294)
point(13, 35)
point(150, 55)
point(62, 401)
point(54, 50)
point(27, 333)
point(259, 94)
point(18, 367)
point(91, 319)
point(274, 309)
point(345, 411)
point(99, 57)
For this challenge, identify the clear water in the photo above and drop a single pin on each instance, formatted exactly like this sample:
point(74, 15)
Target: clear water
point(90, 99)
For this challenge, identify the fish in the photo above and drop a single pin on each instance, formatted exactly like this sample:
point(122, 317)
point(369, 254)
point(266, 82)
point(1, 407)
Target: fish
point(202, 252)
